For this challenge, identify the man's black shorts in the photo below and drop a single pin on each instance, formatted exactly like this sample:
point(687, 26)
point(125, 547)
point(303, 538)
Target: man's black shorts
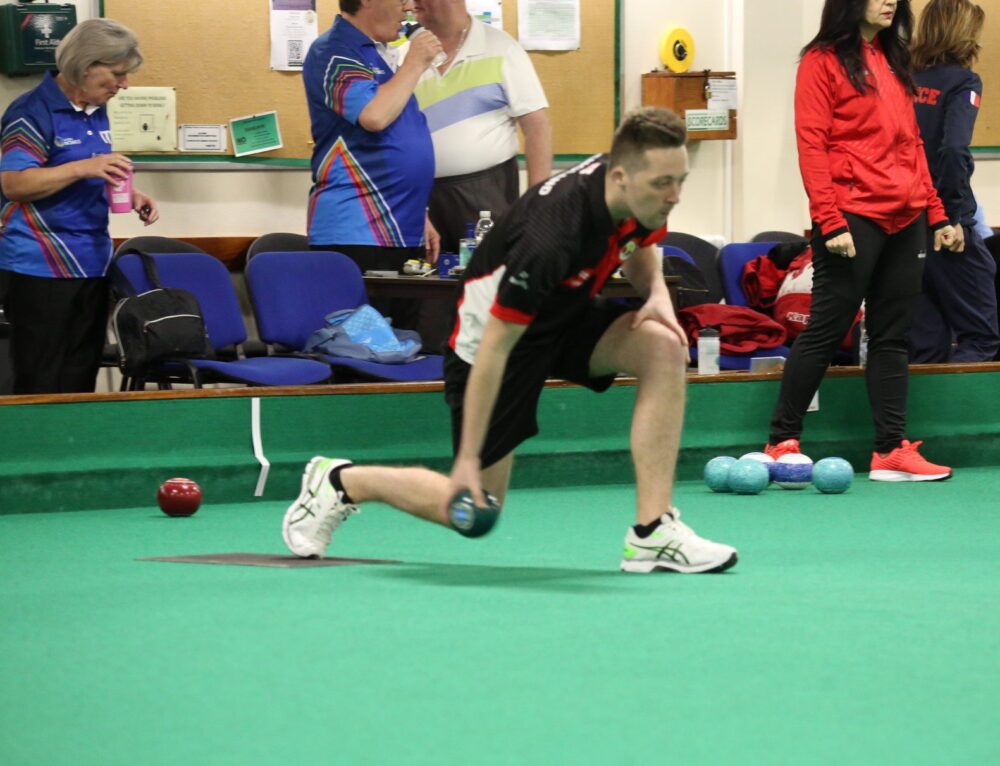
point(565, 356)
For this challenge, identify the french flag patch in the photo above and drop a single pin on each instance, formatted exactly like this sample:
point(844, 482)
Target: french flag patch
point(974, 98)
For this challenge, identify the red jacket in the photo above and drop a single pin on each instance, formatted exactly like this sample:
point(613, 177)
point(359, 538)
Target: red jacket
point(860, 153)
point(741, 329)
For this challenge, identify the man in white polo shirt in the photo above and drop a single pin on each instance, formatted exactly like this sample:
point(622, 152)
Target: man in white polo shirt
point(474, 102)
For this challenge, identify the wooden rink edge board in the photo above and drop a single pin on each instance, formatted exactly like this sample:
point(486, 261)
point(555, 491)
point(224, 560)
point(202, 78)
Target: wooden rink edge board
point(346, 389)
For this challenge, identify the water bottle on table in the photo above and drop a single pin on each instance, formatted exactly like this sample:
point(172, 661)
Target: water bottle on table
point(467, 245)
point(708, 351)
point(483, 225)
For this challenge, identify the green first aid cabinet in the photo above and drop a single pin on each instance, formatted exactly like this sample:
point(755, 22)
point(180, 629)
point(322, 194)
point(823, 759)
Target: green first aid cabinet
point(30, 34)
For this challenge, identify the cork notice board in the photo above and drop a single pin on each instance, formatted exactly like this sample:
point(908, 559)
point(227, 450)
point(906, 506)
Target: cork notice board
point(216, 54)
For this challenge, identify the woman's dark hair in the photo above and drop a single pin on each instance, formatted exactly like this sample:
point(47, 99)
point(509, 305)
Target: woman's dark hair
point(840, 31)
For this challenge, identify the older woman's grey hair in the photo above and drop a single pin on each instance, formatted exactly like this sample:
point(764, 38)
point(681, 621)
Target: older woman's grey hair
point(97, 41)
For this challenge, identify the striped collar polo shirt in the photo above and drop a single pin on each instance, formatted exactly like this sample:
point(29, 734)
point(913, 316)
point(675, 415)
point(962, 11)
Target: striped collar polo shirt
point(545, 259)
point(472, 108)
point(64, 235)
point(369, 188)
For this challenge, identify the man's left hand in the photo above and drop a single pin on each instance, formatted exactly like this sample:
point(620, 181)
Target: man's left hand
point(432, 241)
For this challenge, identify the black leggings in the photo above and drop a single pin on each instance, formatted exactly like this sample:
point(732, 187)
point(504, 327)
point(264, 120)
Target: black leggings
point(886, 274)
point(58, 328)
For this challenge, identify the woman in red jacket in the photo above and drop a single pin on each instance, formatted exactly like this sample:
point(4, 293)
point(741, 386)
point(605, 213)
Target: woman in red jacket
point(871, 201)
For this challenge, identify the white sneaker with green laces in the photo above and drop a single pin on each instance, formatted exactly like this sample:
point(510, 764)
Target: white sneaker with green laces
point(317, 511)
point(674, 547)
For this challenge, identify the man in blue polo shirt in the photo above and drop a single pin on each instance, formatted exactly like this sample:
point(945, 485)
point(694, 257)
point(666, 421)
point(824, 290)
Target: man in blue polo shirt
point(373, 161)
point(54, 242)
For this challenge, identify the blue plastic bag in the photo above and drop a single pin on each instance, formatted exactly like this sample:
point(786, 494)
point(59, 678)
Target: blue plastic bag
point(363, 333)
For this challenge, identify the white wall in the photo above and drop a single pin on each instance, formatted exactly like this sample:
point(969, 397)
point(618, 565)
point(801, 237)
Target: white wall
point(644, 21)
point(986, 185)
point(737, 188)
point(769, 194)
point(220, 203)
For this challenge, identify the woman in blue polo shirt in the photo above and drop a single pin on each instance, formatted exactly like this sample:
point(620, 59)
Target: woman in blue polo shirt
point(54, 243)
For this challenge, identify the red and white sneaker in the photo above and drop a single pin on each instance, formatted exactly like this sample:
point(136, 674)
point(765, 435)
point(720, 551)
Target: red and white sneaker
point(787, 447)
point(906, 464)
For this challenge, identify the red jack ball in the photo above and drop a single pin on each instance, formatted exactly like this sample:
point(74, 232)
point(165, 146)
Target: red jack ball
point(179, 497)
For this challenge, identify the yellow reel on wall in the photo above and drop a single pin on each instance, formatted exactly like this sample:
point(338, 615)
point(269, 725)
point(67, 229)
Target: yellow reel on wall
point(677, 49)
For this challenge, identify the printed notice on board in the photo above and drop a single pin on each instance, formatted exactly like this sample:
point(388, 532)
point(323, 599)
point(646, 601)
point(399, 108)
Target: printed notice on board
point(143, 119)
point(548, 25)
point(293, 29)
point(202, 138)
point(255, 134)
point(723, 90)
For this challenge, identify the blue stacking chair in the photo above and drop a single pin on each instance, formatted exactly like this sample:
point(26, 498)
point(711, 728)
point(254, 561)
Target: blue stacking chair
point(732, 259)
point(673, 254)
point(277, 242)
point(292, 293)
point(669, 251)
point(705, 256)
point(207, 278)
point(150, 243)
point(786, 237)
point(742, 361)
point(147, 243)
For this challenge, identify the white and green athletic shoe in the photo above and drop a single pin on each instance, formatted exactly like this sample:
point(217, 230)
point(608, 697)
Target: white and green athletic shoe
point(317, 511)
point(674, 547)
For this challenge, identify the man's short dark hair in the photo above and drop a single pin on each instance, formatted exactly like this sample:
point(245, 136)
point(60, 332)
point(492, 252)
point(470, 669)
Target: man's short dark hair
point(649, 127)
point(350, 6)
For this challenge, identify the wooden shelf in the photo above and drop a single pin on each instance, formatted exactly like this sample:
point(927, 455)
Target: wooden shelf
point(681, 92)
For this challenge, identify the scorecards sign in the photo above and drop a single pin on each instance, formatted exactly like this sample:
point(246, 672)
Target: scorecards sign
point(704, 120)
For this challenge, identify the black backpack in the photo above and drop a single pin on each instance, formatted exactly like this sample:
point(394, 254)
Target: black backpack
point(160, 324)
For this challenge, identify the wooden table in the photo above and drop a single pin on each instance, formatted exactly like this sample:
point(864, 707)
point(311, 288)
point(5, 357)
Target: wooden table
point(433, 286)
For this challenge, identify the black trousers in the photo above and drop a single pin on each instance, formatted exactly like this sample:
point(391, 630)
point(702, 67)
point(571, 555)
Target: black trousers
point(456, 200)
point(956, 315)
point(886, 274)
point(58, 328)
point(455, 203)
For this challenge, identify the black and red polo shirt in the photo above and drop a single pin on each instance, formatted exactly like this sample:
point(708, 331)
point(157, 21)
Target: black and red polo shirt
point(546, 259)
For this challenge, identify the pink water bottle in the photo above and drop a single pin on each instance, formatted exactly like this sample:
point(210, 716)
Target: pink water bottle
point(120, 194)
